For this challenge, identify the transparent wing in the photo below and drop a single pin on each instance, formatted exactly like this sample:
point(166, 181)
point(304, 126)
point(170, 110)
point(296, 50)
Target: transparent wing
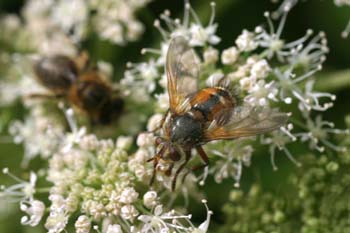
point(244, 122)
point(182, 69)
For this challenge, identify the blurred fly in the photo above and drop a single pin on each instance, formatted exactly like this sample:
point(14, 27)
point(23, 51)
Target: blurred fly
point(80, 84)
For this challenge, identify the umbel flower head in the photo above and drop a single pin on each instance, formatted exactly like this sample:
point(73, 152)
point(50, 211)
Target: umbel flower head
point(265, 69)
point(101, 184)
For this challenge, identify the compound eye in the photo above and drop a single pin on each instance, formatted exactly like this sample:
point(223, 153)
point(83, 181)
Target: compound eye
point(174, 154)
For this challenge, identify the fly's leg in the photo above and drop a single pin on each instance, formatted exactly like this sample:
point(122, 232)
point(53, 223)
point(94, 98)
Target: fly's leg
point(188, 156)
point(168, 171)
point(43, 96)
point(205, 159)
point(155, 162)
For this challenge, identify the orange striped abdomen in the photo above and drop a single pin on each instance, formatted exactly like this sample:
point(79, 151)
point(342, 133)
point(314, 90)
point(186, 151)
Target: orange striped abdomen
point(212, 101)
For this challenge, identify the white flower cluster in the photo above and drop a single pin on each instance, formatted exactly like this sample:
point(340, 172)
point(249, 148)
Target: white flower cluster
point(96, 183)
point(97, 179)
point(115, 21)
point(47, 137)
point(233, 156)
point(246, 65)
point(147, 74)
point(112, 20)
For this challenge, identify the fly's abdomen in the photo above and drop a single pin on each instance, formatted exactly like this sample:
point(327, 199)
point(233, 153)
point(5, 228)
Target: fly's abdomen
point(212, 101)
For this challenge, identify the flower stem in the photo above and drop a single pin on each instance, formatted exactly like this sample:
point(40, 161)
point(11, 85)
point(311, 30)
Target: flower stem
point(333, 81)
point(43, 190)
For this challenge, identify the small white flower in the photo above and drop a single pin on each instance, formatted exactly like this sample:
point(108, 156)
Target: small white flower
point(260, 93)
point(128, 195)
point(57, 220)
point(260, 69)
point(89, 142)
point(162, 222)
point(145, 139)
point(134, 30)
point(129, 212)
point(210, 55)
point(83, 224)
point(247, 83)
point(115, 228)
point(233, 156)
point(318, 134)
point(71, 17)
point(279, 139)
point(203, 227)
point(150, 199)
point(57, 202)
point(214, 79)
point(46, 139)
point(200, 35)
point(124, 142)
point(229, 56)
point(23, 191)
point(154, 121)
point(310, 54)
point(162, 101)
point(142, 154)
point(113, 32)
point(246, 41)
point(35, 209)
point(105, 68)
point(75, 136)
point(289, 87)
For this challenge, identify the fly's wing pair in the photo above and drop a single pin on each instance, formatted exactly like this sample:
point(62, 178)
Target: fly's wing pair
point(182, 69)
point(245, 121)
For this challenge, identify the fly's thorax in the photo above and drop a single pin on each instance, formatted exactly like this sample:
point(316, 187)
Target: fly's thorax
point(185, 130)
